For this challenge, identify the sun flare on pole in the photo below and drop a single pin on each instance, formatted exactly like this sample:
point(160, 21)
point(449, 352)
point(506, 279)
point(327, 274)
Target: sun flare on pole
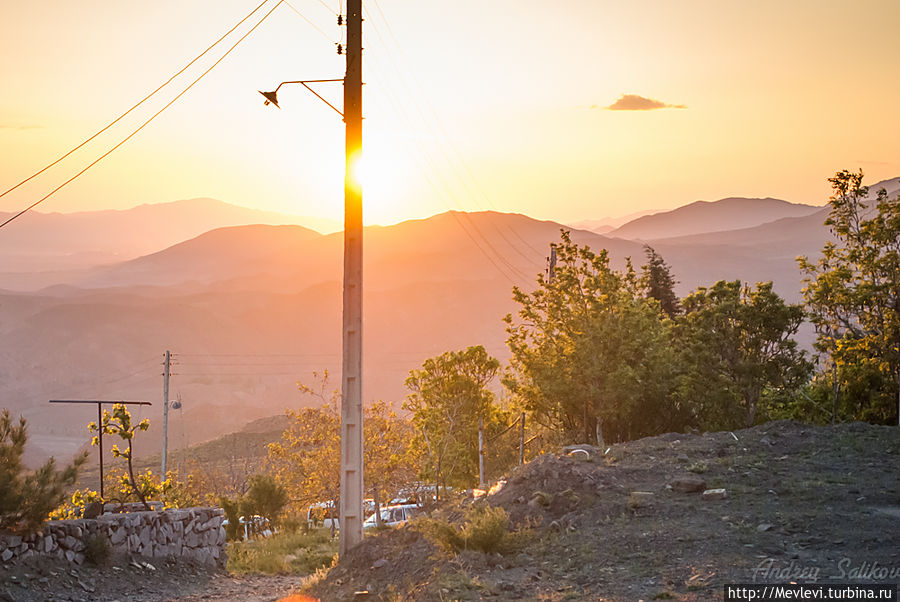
point(351, 504)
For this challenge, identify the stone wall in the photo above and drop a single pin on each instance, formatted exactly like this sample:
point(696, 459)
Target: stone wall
point(193, 534)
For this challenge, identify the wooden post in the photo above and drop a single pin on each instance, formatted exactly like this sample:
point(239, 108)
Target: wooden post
point(481, 453)
point(522, 439)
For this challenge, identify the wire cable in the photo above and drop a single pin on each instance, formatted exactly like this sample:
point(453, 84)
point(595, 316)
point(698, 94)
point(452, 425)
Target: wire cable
point(143, 125)
point(305, 18)
point(139, 103)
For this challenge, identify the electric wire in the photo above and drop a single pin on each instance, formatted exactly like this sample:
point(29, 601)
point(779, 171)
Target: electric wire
point(139, 103)
point(461, 217)
point(446, 135)
point(305, 18)
point(143, 125)
point(424, 154)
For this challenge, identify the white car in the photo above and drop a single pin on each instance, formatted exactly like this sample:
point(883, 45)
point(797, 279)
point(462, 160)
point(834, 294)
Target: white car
point(391, 516)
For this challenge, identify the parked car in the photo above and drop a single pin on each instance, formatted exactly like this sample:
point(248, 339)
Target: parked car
point(391, 516)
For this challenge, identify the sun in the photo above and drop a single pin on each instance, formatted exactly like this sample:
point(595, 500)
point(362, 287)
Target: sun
point(383, 170)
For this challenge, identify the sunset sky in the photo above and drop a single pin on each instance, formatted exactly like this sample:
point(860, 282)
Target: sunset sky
point(506, 105)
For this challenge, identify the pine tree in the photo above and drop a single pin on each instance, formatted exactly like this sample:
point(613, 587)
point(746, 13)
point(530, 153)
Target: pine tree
point(27, 498)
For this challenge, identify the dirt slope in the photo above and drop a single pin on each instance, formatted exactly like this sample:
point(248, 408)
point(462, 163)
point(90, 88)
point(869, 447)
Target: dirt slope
point(824, 500)
point(802, 502)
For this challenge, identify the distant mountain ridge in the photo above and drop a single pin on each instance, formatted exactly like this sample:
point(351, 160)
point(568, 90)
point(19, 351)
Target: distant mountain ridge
point(56, 241)
point(733, 213)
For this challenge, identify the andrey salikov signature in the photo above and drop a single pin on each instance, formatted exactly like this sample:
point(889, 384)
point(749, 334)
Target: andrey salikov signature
point(846, 570)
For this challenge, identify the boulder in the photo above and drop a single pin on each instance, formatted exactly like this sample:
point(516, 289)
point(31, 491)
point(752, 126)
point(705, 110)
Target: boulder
point(715, 494)
point(690, 484)
point(93, 510)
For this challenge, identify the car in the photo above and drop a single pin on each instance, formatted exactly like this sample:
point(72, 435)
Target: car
point(392, 516)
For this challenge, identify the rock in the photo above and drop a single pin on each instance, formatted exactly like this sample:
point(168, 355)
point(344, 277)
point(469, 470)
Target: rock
point(639, 499)
point(70, 555)
point(6, 555)
point(715, 494)
point(13, 540)
point(379, 563)
point(93, 510)
point(688, 484)
point(763, 527)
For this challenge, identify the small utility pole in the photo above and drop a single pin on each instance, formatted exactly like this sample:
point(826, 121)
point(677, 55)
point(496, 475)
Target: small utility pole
point(481, 453)
point(165, 444)
point(551, 270)
point(522, 439)
point(351, 505)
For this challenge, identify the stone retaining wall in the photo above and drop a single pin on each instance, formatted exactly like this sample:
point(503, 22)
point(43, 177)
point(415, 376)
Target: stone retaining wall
point(193, 534)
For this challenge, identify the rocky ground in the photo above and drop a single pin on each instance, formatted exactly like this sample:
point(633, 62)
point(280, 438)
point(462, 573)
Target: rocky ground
point(801, 503)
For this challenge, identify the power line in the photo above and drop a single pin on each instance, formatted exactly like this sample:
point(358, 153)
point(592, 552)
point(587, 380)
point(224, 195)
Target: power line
point(154, 116)
point(305, 18)
point(139, 103)
point(447, 156)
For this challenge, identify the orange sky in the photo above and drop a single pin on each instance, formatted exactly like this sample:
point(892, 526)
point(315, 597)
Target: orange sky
point(468, 105)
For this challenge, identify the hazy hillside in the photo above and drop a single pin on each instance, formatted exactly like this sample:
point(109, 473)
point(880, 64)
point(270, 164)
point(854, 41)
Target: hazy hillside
point(251, 310)
point(57, 241)
point(705, 216)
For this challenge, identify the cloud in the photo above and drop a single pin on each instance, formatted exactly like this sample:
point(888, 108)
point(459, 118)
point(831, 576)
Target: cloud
point(10, 126)
point(633, 102)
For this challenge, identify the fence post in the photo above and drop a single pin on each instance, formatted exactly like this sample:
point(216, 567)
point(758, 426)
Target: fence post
point(522, 439)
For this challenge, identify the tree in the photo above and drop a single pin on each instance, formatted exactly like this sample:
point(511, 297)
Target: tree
point(447, 397)
point(852, 295)
point(266, 497)
point(118, 422)
point(307, 460)
point(735, 346)
point(27, 498)
point(391, 460)
point(590, 354)
point(658, 282)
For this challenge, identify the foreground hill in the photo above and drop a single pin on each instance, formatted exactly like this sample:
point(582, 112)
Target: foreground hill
point(803, 503)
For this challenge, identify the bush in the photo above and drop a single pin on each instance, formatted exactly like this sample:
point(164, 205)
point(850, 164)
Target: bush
point(283, 553)
point(486, 529)
point(27, 498)
point(96, 549)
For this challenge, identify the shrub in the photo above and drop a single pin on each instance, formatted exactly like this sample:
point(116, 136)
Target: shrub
point(486, 529)
point(27, 498)
point(96, 549)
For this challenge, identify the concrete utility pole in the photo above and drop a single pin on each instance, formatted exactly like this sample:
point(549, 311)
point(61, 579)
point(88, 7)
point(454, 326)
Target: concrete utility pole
point(351, 507)
point(165, 445)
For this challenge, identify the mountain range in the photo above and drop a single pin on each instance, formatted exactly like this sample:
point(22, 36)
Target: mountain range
point(250, 310)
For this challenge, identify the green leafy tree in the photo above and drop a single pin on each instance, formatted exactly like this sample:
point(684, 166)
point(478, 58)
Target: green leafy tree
point(28, 497)
point(118, 422)
point(852, 296)
point(590, 354)
point(447, 396)
point(266, 497)
point(736, 347)
point(658, 282)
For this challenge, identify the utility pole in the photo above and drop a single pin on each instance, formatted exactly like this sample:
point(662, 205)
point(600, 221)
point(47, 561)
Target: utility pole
point(481, 453)
point(165, 445)
point(551, 270)
point(351, 505)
